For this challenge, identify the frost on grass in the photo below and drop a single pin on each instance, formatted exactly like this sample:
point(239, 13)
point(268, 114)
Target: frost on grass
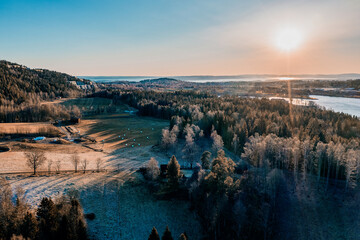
point(129, 211)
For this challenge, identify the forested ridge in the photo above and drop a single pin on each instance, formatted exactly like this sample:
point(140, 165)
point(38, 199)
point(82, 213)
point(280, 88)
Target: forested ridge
point(19, 83)
point(23, 89)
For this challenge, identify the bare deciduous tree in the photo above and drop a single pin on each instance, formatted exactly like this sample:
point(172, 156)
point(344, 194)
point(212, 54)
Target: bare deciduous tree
point(218, 143)
point(99, 163)
point(169, 138)
point(152, 169)
point(35, 160)
point(57, 166)
point(75, 161)
point(49, 164)
point(84, 164)
point(190, 148)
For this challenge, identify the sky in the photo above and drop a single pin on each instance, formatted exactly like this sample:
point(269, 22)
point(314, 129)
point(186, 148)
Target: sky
point(182, 37)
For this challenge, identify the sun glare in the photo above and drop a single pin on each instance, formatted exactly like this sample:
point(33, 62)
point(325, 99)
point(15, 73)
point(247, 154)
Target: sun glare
point(288, 39)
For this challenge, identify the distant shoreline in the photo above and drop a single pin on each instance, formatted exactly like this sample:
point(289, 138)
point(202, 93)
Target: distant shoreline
point(226, 78)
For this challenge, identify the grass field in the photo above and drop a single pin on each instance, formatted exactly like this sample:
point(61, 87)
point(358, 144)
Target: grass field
point(119, 128)
point(90, 106)
point(118, 131)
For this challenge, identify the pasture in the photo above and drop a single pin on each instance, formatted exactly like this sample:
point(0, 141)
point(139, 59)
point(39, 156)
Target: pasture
point(118, 131)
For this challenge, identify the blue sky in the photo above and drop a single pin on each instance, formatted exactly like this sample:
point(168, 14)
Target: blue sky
point(171, 37)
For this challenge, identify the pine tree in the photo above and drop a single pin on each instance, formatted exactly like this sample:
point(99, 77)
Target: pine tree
point(173, 171)
point(167, 234)
point(64, 230)
point(81, 230)
point(154, 235)
point(47, 214)
point(29, 227)
point(77, 220)
point(183, 237)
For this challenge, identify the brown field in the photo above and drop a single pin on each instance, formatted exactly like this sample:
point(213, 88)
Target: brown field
point(114, 134)
point(26, 128)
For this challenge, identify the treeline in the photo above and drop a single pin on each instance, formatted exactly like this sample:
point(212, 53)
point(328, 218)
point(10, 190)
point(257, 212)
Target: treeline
point(36, 112)
point(236, 119)
point(62, 219)
point(327, 84)
point(339, 161)
point(154, 235)
point(230, 113)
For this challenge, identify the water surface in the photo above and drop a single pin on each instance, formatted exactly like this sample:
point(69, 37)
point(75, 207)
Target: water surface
point(339, 104)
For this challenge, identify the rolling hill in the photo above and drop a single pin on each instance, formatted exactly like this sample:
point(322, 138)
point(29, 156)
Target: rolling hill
point(20, 84)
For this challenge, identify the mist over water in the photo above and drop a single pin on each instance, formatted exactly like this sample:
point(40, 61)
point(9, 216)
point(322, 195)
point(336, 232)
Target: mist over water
point(225, 78)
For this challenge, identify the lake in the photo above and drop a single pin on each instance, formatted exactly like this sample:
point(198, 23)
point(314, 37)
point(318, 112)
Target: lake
point(339, 104)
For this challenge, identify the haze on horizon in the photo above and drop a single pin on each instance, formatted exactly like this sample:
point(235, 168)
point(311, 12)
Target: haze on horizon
point(178, 38)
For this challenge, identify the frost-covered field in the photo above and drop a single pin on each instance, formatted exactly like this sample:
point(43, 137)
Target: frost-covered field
point(129, 211)
point(123, 206)
point(123, 210)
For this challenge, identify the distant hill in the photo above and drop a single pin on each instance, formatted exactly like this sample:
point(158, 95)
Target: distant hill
point(162, 81)
point(19, 83)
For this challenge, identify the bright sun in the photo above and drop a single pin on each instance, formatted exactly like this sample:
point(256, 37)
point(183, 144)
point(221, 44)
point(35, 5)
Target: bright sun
point(288, 39)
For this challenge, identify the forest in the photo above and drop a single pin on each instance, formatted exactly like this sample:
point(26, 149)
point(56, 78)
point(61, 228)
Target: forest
point(265, 132)
point(23, 91)
point(275, 142)
point(20, 84)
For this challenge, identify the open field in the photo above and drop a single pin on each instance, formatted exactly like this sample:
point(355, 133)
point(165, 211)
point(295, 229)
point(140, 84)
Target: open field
point(124, 210)
point(114, 194)
point(119, 131)
point(111, 131)
point(27, 128)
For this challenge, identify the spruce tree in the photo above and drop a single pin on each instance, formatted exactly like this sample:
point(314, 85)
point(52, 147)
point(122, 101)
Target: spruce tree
point(173, 172)
point(167, 234)
point(183, 237)
point(29, 227)
point(154, 235)
point(81, 230)
point(64, 231)
point(47, 214)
